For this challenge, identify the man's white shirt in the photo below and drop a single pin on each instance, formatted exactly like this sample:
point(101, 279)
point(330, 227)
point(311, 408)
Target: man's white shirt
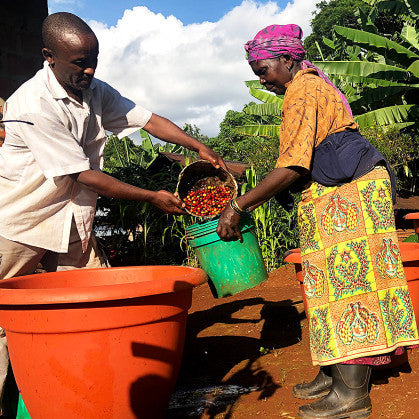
point(38, 198)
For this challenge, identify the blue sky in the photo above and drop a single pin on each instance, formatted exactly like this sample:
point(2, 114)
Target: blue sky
point(182, 59)
point(188, 11)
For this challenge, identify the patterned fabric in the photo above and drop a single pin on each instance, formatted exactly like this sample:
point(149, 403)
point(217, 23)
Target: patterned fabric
point(357, 296)
point(311, 111)
point(276, 40)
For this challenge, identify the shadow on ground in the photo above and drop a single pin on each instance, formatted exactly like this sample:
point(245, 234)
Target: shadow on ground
point(208, 359)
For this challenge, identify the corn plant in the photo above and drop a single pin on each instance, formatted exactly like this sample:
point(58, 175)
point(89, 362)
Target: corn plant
point(276, 228)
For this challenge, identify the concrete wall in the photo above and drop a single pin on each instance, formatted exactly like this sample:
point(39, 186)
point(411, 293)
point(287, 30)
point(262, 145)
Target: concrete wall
point(20, 43)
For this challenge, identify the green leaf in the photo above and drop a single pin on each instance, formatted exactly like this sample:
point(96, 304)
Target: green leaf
point(270, 131)
point(414, 68)
point(389, 115)
point(406, 9)
point(262, 109)
point(320, 51)
point(377, 94)
point(413, 238)
point(265, 96)
point(329, 43)
point(255, 84)
point(379, 44)
point(364, 69)
point(411, 35)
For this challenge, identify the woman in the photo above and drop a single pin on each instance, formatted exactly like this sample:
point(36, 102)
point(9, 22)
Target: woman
point(359, 307)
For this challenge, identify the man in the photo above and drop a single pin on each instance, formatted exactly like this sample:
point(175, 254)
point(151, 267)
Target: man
point(50, 163)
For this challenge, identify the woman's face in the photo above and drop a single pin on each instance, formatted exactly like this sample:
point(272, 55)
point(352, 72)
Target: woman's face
point(273, 73)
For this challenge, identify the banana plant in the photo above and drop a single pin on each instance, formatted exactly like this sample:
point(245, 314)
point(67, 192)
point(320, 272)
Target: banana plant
point(381, 79)
point(271, 107)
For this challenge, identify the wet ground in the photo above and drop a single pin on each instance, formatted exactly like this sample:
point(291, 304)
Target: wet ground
point(244, 353)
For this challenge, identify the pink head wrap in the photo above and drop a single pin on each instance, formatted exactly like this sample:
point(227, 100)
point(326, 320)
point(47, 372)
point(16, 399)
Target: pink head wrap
point(276, 40)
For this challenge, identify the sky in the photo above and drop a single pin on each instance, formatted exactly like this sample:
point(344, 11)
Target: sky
point(182, 59)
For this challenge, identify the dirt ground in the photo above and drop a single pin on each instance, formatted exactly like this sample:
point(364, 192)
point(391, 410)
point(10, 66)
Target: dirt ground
point(244, 353)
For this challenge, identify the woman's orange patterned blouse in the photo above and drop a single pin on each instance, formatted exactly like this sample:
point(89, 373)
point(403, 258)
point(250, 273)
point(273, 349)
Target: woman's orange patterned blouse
point(311, 111)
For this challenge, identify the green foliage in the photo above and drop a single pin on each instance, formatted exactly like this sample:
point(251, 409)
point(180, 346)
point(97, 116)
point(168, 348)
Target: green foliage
point(244, 136)
point(413, 238)
point(134, 232)
point(401, 150)
point(381, 82)
point(335, 12)
point(195, 132)
point(383, 19)
point(276, 228)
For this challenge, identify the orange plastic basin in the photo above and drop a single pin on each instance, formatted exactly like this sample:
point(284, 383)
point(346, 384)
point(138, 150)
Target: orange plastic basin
point(100, 343)
point(414, 216)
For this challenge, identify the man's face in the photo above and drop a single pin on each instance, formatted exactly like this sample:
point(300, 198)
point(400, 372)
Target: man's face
point(73, 62)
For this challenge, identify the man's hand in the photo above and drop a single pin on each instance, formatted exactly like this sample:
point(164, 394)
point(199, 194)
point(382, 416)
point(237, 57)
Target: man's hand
point(168, 203)
point(207, 153)
point(106, 185)
point(228, 225)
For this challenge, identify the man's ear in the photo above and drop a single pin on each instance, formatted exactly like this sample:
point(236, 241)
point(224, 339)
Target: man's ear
point(47, 53)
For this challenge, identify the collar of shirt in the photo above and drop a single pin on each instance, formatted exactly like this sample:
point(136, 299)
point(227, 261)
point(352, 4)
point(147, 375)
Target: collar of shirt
point(58, 92)
point(301, 73)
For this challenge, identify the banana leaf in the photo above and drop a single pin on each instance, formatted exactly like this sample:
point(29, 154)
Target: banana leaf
point(389, 115)
point(379, 44)
point(265, 96)
point(262, 109)
point(329, 43)
point(406, 9)
point(364, 69)
point(254, 83)
point(411, 35)
point(372, 95)
point(414, 68)
point(269, 131)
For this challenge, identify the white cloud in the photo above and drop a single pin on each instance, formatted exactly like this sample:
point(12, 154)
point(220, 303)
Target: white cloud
point(193, 73)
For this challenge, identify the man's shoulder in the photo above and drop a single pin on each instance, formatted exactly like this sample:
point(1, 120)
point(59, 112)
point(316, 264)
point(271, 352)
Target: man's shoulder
point(33, 90)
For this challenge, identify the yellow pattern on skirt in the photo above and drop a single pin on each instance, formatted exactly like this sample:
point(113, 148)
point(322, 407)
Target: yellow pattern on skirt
point(356, 291)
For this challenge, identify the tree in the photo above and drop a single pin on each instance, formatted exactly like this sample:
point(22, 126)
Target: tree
point(350, 14)
point(235, 143)
point(195, 132)
point(381, 78)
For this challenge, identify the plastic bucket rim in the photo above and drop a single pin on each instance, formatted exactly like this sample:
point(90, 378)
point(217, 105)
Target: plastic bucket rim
point(96, 293)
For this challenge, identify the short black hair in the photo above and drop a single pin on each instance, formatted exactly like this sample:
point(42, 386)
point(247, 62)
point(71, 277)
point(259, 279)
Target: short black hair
point(57, 24)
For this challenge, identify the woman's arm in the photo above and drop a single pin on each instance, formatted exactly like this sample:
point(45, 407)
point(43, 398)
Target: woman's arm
point(277, 180)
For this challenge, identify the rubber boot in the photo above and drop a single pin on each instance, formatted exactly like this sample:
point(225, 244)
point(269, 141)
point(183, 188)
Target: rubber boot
point(348, 397)
point(319, 387)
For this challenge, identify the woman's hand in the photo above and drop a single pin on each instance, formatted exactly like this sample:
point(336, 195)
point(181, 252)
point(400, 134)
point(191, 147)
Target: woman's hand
point(168, 203)
point(228, 225)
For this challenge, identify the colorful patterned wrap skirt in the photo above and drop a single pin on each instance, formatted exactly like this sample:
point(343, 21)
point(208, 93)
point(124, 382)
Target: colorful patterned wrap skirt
point(357, 297)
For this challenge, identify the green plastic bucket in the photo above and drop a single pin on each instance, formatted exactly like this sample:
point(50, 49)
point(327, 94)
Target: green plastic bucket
point(232, 266)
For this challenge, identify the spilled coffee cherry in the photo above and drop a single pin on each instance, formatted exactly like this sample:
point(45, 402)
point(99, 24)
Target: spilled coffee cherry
point(207, 201)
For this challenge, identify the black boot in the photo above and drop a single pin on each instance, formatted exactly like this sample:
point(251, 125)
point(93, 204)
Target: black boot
point(348, 397)
point(319, 387)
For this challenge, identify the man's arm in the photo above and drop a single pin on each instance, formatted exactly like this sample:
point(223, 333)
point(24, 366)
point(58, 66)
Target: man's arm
point(166, 130)
point(106, 185)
